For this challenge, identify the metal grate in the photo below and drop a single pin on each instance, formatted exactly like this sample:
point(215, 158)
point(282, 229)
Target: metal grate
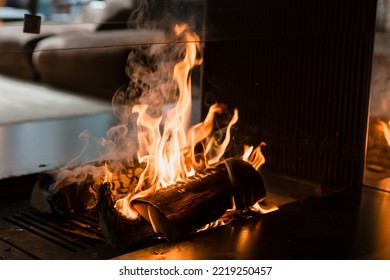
point(51, 236)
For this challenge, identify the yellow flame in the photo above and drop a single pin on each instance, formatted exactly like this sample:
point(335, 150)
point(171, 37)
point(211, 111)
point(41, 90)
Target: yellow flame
point(254, 156)
point(169, 153)
point(107, 174)
point(247, 152)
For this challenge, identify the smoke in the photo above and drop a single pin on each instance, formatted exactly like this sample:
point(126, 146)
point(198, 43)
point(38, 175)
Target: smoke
point(149, 69)
point(140, 13)
point(147, 14)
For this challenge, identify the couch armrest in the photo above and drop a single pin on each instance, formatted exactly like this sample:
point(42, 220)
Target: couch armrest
point(16, 47)
point(90, 62)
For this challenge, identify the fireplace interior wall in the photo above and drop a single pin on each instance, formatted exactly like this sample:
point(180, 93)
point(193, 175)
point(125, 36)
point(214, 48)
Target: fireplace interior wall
point(299, 74)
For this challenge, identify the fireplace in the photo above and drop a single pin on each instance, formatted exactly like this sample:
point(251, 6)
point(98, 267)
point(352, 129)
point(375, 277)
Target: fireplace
point(303, 73)
point(299, 73)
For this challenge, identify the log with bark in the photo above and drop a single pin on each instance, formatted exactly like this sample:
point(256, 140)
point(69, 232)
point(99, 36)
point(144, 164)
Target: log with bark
point(179, 210)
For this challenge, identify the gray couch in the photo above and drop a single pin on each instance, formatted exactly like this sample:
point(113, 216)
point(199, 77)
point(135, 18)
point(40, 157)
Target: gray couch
point(89, 58)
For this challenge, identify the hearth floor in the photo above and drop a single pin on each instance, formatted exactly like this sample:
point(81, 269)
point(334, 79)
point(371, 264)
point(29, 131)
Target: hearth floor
point(343, 225)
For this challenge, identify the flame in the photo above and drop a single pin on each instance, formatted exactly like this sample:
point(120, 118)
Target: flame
point(254, 155)
point(166, 144)
point(166, 154)
point(263, 208)
point(107, 174)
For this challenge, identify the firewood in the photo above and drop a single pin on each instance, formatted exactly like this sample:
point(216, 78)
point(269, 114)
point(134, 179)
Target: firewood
point(185, 207)
point(172, 212)
point(72, 197)
point(74, 189)
point(248, 185)
point(119, 230)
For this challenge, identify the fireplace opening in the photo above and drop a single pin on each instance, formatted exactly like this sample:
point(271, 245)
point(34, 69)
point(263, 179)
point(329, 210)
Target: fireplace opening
point(299, 76)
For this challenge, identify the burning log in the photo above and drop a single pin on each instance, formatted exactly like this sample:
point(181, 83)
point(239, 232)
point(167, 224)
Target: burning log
point(247, 184)
point(179, 210)
point(120, 231)
point(75, 189)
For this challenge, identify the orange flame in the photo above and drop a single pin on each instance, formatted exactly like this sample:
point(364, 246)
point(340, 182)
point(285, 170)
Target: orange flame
point(254, 156)
point(169, 156)
point(107, 174)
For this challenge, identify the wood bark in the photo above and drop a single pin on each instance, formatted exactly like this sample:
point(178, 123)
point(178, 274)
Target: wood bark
point(177, 211)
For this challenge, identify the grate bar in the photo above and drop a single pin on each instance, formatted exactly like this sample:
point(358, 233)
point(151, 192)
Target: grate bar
point(57, 230)
point(41, 233)
point(71, 232)
point(88, 233)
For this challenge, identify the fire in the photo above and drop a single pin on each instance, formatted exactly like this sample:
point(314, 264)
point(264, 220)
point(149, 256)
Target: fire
point(254, 156)
point(107, 174)
point(168, 147)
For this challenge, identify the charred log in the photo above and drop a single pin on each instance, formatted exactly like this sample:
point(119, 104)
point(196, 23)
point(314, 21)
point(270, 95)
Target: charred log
point(72, 197)
point(120, 231)
point(247, 184)
point(180, 210)
point(75, 189)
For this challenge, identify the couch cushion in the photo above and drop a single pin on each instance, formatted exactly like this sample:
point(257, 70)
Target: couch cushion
point(90, 62)
point(16, 47)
